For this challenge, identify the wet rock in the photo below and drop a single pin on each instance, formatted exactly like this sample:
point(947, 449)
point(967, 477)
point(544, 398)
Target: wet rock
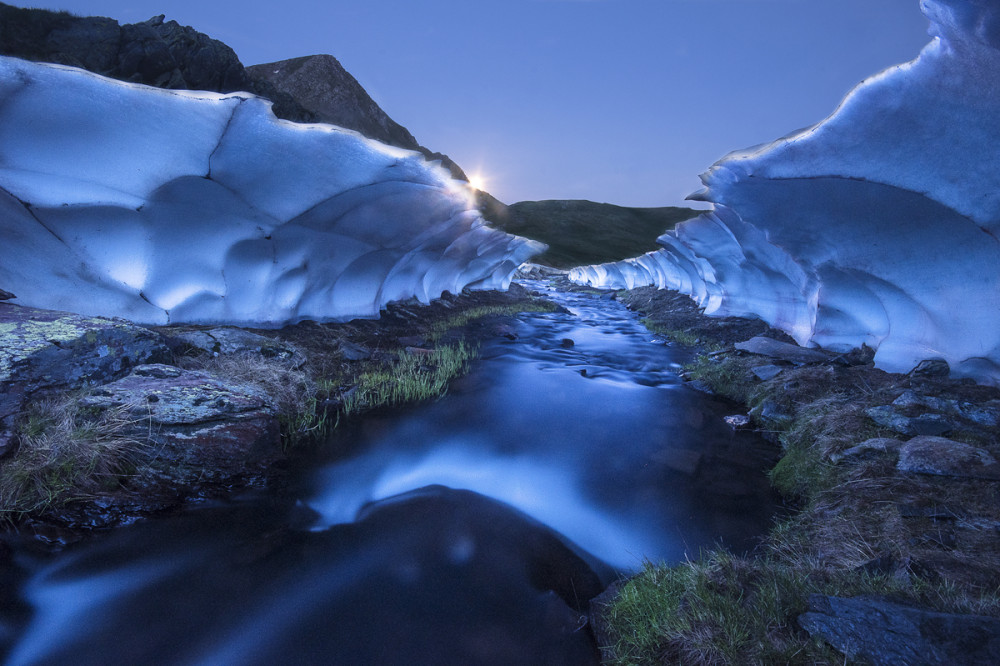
point(771, 411)
point(738, 421)
point(880, 632)
point(925, 424)
point(566, 343)
point(932, 367)
point(44, 350)
point(766, 372)
point(202, 428)
point(880, 444)
point(939, 456)
point(783, 350)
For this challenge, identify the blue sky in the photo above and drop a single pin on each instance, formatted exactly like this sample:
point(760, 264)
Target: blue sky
point(624, 101)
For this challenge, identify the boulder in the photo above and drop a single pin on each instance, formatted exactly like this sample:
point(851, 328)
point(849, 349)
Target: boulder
point(939, 456)
point(879, 632)
point(44, 350)
point(204, 428)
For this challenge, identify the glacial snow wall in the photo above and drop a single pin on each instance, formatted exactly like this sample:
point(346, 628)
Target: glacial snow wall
point(878, 226)
point(167, 206)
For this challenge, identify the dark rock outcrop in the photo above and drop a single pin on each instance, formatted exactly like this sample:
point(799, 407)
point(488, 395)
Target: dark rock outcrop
point(156, 52)
point(328, 91)
point(322, 85)
point(879, 632)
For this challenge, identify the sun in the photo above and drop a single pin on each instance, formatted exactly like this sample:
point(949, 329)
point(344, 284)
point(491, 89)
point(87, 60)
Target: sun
point(477, 182)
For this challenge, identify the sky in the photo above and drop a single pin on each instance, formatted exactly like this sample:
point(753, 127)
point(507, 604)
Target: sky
point(619, 101)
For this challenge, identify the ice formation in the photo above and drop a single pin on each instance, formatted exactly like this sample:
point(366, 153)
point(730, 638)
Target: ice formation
point(167, 206)
point(879, 225)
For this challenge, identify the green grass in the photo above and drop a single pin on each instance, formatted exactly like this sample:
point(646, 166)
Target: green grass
point(66, 454)
point(728, 376)
point(678, 335)
point(724, 609)
point(460, 319)
point(411, 377)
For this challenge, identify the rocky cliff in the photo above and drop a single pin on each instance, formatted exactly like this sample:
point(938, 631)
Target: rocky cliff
point(329, 92)
point(156, 52)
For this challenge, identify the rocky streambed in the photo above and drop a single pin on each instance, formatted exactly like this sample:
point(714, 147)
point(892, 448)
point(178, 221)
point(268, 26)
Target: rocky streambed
point(889, 553)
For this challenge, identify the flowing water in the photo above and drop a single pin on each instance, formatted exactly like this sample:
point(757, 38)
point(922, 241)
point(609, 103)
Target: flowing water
point(469, 530)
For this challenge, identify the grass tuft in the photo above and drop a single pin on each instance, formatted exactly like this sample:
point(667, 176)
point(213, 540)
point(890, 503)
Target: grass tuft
point(411, 377)
point(65, 454)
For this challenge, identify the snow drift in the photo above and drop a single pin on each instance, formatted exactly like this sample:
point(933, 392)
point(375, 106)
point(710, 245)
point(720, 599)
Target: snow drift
point(877, 226)
point(166, 206)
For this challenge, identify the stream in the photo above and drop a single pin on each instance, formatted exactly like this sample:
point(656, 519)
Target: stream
point(468, 530)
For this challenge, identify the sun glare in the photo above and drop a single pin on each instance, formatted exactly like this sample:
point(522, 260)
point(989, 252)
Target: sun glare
point(477, 181)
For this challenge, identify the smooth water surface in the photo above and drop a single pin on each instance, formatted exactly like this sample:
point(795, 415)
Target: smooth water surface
point(469, 530)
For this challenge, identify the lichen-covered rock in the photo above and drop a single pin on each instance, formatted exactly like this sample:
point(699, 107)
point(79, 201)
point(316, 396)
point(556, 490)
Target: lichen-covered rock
point(45, 350)
point(204, 428)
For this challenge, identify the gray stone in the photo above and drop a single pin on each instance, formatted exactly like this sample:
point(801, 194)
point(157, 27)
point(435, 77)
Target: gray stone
point(880, 632)
point(783, 350)
point(204, 428)
point(228, 340)
point(987, 414)
point(44, 350)
point(931, 367)
point(766, 372)
point(880, 444)
point(945, 457)
point(927, 424)
point(771, 411)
